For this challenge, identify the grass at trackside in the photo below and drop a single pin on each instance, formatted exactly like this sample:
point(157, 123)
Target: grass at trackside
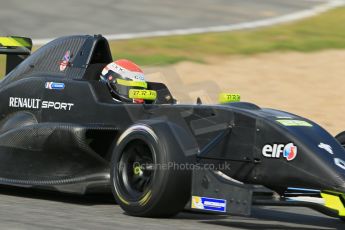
point(325, 31)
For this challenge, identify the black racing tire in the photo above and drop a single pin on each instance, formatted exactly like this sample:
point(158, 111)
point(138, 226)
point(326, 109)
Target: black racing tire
point(341, 138)
point(148, 191)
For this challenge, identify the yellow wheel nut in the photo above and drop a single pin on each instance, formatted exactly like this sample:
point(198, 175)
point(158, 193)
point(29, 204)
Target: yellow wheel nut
point(137, 170)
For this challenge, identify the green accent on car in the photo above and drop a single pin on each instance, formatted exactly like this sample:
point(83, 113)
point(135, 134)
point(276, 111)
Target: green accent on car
point(334, 200)
point(142, 94)
point(229, 97)
point(294, 123)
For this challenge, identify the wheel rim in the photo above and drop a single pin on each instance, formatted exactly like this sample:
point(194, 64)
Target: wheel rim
point(135, 171)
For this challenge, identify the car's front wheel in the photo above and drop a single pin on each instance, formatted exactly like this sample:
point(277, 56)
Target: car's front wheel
point(146, 176)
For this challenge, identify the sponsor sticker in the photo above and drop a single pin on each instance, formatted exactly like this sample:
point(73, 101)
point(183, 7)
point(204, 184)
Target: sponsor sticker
point(288, 151)
point(65, 60)
point(36, 103)
point(55, 85)
point(209, 204)
point(294, 123)
point(326, 147)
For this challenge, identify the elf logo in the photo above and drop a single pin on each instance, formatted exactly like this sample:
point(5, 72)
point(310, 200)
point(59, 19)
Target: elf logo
point(289, 151)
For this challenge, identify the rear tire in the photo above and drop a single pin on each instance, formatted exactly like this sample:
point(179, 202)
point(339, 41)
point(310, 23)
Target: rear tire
point(140, 183)
point(341, 138)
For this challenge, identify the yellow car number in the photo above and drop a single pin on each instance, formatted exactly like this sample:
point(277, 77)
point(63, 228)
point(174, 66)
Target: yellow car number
point(143, 94)
point(229, 97)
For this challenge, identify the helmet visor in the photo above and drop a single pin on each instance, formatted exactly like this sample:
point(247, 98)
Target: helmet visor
point(122, 86)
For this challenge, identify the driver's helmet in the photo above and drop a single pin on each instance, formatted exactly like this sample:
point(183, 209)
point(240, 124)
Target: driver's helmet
point(121, 76)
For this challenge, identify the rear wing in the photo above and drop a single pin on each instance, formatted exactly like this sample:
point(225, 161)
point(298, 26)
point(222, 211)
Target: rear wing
point(16, 50)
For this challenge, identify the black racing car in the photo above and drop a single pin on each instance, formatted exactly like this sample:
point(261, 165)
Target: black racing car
point(60, 129)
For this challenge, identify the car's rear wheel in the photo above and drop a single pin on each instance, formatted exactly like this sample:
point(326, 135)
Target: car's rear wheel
point(143, 180)
point(341, 138)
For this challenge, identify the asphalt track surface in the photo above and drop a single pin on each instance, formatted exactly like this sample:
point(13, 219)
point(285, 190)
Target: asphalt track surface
point(51, 18)
point(30, 209)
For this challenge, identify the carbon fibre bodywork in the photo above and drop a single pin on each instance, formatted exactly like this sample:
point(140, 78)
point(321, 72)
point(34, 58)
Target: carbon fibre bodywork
point(60, 138)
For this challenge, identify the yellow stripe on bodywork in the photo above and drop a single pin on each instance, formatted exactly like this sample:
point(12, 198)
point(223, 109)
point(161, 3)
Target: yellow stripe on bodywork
point(142, 84)
point(334, 200)
point(14, 42)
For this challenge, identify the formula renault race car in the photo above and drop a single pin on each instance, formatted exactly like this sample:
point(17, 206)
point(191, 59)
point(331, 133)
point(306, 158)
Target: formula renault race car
point(61, 130)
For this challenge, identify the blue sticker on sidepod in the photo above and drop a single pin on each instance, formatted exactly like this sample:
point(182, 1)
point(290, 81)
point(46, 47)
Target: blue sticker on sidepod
point(55, 85)
point(209, 204)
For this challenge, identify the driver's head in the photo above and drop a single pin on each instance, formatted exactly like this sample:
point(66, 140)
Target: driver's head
point(121, 76)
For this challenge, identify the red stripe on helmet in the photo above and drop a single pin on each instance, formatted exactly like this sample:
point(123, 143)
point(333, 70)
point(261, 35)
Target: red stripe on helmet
point(127, 64)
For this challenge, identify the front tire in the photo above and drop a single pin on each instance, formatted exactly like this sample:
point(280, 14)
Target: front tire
point(142, 178)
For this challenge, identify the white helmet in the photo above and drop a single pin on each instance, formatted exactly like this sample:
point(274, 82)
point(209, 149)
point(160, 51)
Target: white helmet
point(121, 76)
